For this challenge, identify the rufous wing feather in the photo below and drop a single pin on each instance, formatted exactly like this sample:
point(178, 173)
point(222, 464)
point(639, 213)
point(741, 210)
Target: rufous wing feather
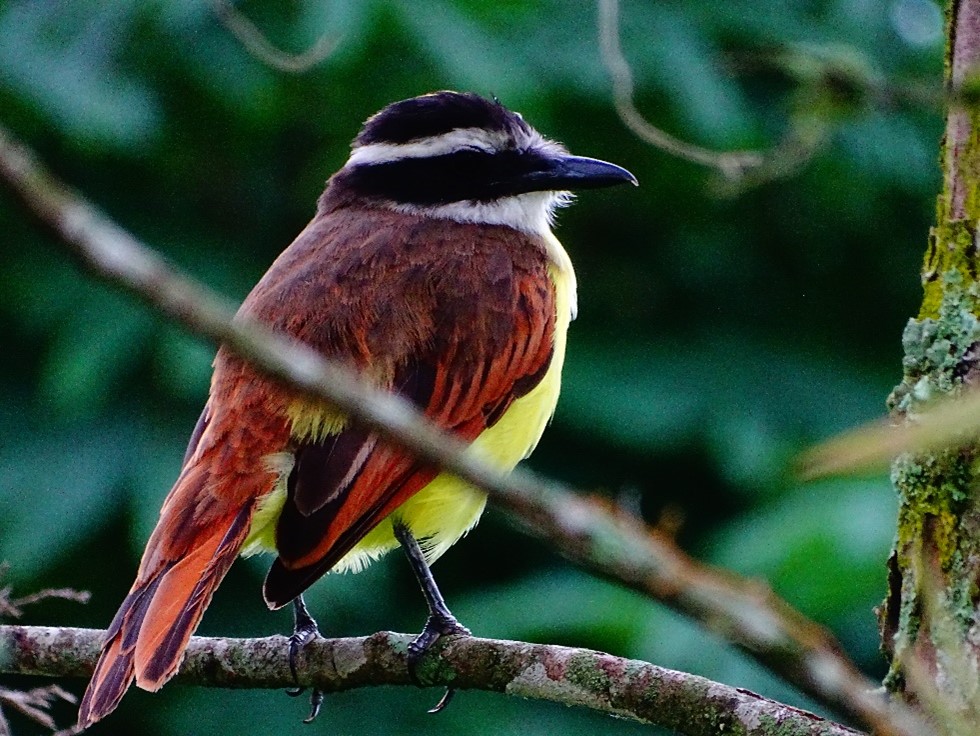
point(202, 526)
point(475, 366)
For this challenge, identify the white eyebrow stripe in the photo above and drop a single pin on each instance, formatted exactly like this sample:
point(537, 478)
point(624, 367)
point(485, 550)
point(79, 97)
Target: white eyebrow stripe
point(437, 145)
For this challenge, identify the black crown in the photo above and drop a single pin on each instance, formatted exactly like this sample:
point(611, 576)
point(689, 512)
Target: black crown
point(436, 114)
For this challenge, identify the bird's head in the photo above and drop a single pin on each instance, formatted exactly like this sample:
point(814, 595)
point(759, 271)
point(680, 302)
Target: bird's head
point(462, 157)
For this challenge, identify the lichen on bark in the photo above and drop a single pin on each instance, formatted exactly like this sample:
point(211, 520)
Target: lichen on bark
point(929, 621)
point(937, 549)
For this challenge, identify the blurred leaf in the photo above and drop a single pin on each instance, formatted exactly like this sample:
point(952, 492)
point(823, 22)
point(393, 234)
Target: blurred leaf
point(39, 292)
point(871, 447)
point(751, 452)
point(183, 364)
point(893, 149)
point(683, 64)
point(653, 396)
point(61, 55)
point(58, 488)
point(152, 469)
point(564, 607)
point(468, 56)
point(675, 642)
point(102, 338)
point(802, 544)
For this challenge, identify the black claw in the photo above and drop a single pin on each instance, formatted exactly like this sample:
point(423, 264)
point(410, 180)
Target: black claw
point(299, 639)
point(435, 627)
point(441, 621)
point(304, 631)
point(443, 701)
point(316, 700)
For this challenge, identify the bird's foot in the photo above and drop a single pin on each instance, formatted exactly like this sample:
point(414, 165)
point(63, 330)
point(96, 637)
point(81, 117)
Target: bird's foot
point(438, 625)
point(304, 631)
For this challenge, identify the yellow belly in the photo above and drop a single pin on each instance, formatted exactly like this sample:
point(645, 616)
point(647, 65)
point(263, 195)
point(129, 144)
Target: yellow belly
point(447, 508)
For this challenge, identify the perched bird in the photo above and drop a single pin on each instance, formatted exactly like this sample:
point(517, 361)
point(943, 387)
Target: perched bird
point(431, 269)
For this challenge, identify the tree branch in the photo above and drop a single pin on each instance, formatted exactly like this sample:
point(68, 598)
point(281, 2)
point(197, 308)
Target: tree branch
point(621, 687)
point(732, 164)
point(583, 530)
point(256, 44)
point(752, 167)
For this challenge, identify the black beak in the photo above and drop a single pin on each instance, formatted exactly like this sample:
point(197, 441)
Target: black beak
point(559, 173)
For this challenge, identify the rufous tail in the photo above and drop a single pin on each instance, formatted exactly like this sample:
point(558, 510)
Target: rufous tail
point(147, 638)
point(203, 524)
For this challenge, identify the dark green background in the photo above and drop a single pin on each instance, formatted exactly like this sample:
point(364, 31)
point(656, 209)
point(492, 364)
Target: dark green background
point(721, 330)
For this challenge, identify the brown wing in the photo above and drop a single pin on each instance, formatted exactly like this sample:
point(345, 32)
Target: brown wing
point(458, 320)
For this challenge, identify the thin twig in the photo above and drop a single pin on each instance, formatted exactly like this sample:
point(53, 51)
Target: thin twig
point(34, 704)
point(262, 49)
point(14, 607)
point(586, 532)
point(65, 594)
point(733, 164)
point(625, 688)
point(744, 168)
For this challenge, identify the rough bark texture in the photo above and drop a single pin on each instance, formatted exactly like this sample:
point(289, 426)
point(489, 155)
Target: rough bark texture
point(623, 688)
point(929, 621)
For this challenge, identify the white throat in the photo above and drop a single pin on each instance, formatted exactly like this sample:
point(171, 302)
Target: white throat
point(531, 213)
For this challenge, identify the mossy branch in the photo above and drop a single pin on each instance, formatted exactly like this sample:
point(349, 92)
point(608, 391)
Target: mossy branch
point(588, 532)
point(623, 688)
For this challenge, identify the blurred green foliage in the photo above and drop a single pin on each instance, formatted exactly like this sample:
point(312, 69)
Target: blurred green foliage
point(720, 332)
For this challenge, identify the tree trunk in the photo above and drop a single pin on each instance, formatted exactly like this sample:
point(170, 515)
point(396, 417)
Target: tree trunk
point(929, 620)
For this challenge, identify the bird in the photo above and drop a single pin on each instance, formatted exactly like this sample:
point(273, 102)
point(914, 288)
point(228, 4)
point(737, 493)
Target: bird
point(431, 269)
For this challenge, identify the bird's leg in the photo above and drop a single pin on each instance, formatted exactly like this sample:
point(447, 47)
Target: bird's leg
point(304, 631)
point(441, 621)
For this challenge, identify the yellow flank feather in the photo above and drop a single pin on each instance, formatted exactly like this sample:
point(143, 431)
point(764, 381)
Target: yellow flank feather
point(262, 532)
point(309, 419)
point(446, 508)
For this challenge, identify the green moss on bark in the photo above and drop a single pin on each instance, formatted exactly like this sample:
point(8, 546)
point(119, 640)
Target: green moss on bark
point(937, 546)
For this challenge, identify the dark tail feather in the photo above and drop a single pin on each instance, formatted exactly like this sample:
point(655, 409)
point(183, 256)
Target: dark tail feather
point(111, 679)
point(147, 638)
point(114, 670)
